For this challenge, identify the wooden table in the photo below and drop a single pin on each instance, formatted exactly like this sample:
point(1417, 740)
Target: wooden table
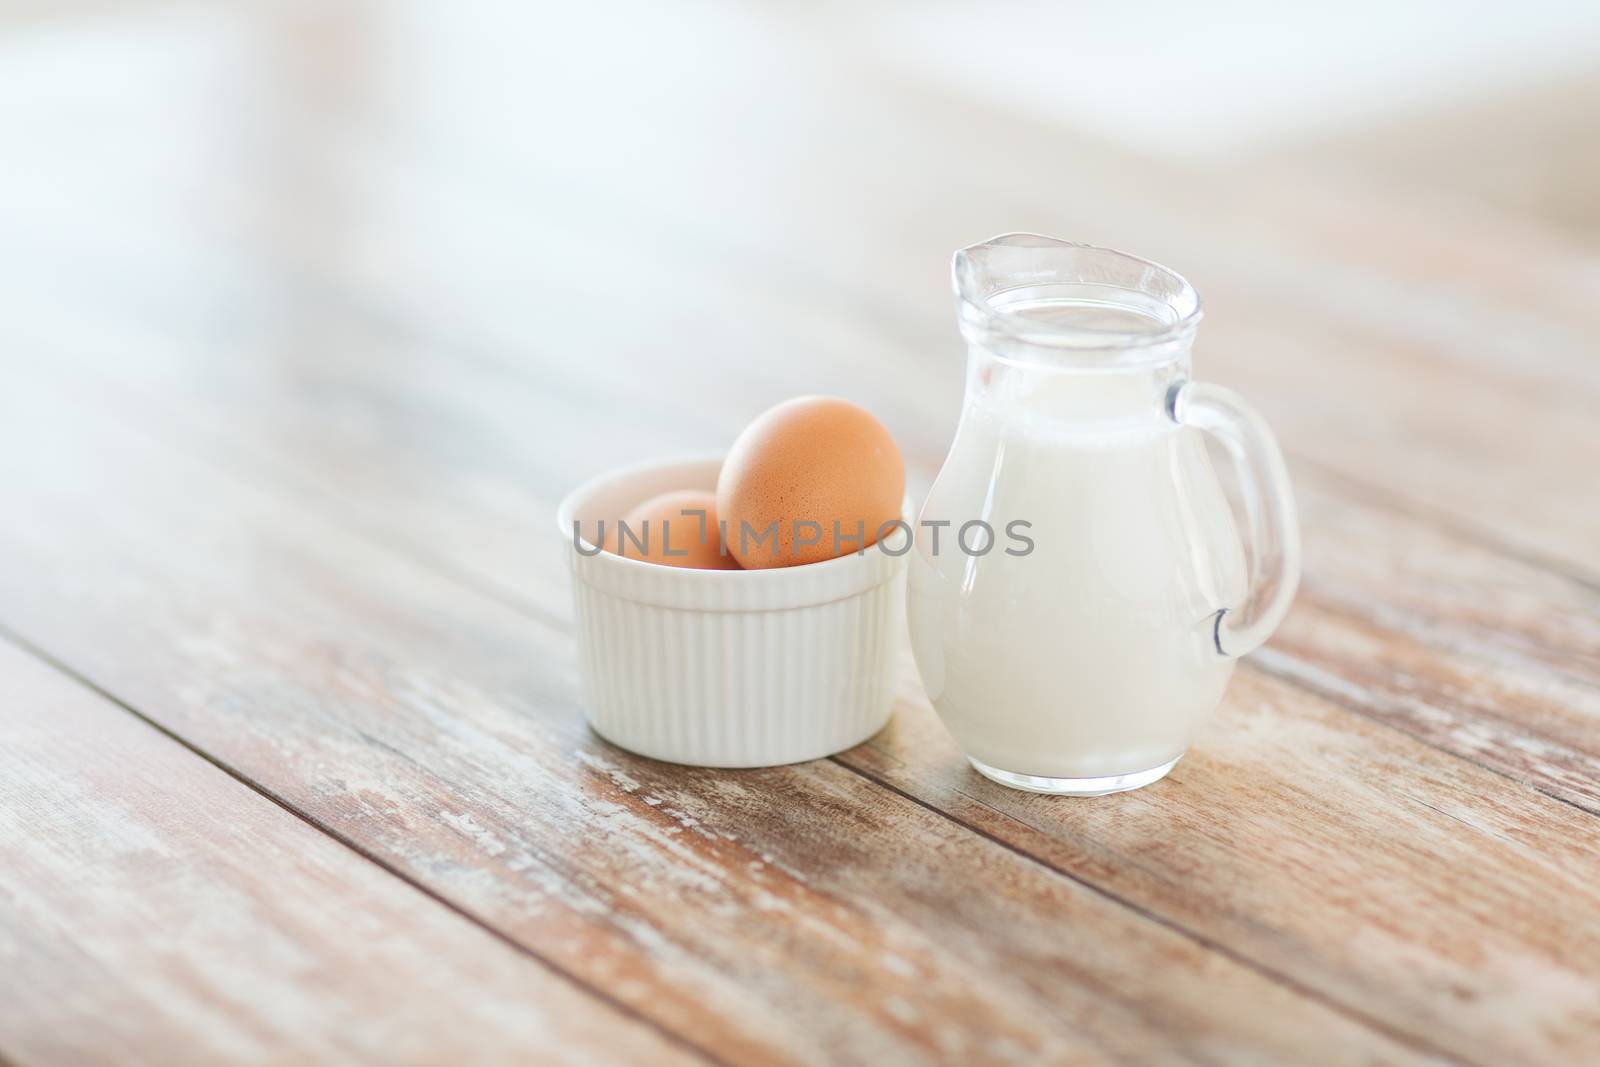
point(312, 312)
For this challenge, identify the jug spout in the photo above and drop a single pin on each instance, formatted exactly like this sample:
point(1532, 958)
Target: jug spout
point(1032, 297)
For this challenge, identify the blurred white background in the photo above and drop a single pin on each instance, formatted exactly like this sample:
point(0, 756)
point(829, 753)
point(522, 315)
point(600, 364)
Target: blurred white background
point(1487, 101)
point(1447, 98)
point(1210, 79)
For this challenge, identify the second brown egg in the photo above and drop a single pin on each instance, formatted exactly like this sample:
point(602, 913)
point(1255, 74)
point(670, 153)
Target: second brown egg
point(675, 529)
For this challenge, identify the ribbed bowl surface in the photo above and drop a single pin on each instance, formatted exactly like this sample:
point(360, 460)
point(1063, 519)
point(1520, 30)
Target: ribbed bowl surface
point(728, 668)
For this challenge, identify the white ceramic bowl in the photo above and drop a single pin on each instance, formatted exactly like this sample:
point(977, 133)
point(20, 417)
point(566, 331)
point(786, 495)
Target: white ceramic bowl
point(728, 668)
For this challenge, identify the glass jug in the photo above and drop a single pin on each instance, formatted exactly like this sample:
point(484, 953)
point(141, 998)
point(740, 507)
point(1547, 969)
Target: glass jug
point(1078, 591)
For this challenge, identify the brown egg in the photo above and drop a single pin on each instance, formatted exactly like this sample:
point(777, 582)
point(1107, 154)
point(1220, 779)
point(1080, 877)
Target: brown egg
point(670, 530)
point(799, 469)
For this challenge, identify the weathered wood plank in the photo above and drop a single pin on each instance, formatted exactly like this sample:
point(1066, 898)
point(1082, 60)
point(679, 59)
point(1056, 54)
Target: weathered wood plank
point(1485, 655)
point(1347, 612)
point(158, 912)
point(338, 388)
point(1489, 657)
point(1378, 584)
point(1399, 880)
point(795, 915)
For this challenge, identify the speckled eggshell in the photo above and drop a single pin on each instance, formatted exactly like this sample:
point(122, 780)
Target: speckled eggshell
point(671, 522)
point(811, 459)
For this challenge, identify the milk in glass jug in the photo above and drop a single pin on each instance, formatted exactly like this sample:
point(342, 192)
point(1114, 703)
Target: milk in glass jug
point(1078, 592)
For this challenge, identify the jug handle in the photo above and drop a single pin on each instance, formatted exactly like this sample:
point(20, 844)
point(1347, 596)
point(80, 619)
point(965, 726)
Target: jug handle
point(1274, 537)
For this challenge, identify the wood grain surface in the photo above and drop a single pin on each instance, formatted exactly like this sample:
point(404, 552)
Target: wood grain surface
point(801, 914)
point(159, 912)
point(298, 360)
